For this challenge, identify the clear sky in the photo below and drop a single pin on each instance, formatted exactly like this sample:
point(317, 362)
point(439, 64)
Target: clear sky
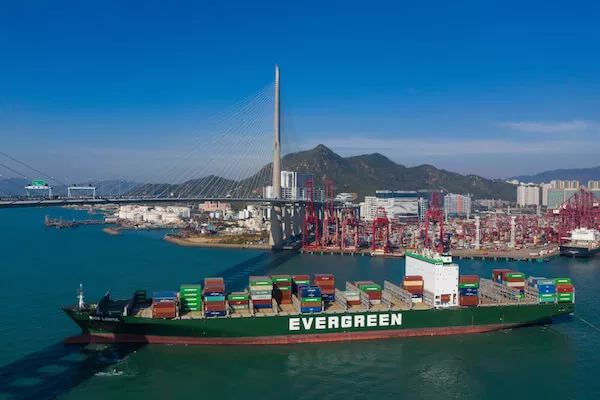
point(108, 89)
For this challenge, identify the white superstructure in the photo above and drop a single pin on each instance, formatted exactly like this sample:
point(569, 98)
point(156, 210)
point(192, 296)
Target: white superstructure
point(440, 276)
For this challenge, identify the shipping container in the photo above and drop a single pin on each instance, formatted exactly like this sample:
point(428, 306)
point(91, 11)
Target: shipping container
point(215, 313)
point(281, 279)
point(238, 296)
point(311, 309)
point(562, 280)
point(322, 277)
point(260, 281)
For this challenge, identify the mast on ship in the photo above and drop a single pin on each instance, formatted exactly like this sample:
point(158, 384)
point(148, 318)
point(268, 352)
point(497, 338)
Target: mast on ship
point(81, 304)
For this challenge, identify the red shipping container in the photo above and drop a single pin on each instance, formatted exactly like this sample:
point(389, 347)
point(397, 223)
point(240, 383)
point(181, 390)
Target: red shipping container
point(311, 304)
point(328, 290)
point(564, 288)
point(238, 302)
point(164, 305)
point(213, 281)
point(282, 284)
point(323, 277)
point(214, 288)
point(513, 279)
point(414, 289)
point(353, 302)
point(374, 295)
point(261, 302)
point(468, 300)
point(413, 278)
point(301, 277)
point(468, 279)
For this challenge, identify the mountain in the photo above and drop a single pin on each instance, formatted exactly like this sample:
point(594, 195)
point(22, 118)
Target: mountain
point(367, 173)
point(13, 187)
point(581, 174)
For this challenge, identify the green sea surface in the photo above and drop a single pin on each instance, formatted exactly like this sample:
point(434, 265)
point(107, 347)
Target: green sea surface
point(41, 269)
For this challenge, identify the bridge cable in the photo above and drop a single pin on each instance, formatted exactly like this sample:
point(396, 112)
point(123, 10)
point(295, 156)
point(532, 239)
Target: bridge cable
point(240, 107)
point(33, 169)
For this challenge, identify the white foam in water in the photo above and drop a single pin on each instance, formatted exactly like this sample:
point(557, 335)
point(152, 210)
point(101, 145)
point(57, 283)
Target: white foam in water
point(114, 372)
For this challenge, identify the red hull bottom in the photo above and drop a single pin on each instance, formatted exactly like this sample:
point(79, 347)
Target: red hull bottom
point(107, 338)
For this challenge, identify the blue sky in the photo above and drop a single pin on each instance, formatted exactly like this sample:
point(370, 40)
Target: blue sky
point(121, 89)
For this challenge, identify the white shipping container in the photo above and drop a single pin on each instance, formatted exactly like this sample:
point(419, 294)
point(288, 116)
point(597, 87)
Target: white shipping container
point(375, 301)
point(261, 297)
point(440, 275)
point(266, 287)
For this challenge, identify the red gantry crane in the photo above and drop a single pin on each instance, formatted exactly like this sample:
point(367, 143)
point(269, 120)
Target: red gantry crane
point(330, 222)
point(381, 231)
point(433, 215)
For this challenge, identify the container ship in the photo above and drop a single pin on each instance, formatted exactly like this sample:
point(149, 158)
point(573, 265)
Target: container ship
point(432, 299)
point(584, 243)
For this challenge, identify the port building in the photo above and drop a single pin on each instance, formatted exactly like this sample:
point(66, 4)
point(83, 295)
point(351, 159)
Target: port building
point(457, 204)
point(402, 205)
point(293, 187)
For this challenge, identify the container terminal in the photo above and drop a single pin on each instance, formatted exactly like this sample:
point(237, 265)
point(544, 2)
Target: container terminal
point(433, 299)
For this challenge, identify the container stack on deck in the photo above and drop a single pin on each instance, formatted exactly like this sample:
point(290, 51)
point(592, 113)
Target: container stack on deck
point(327, 284)
point(352, 298)
point(299, 280)
point(310, 299)
point(239, 300)
point(509, 278)
point(261, 292)
point(564, 290)
point(372, 290)
point(191, 297)
point(468, 290)
point(282, 288)
point(546, 289)
point(214, 297)
point(414, 285)
point(164, 304)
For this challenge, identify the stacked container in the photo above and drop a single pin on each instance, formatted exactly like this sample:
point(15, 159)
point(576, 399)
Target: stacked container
point(299, 280)
point(515, 280)
point(140, 297)
point(214, 297)
point(414, 285)
point(498, 273)
point(564, 290)
point(239, 300)
point(261, 292)
point(190, 297)
point(352, 298)
point(282, 288)
point(468, 290)
point(164, 304)
point(311, 300)
point(327, 284)
point(546, 289)
point(372, 290)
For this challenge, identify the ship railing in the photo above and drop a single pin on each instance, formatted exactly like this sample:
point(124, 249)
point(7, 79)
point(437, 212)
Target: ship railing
point(398, 293)
point(275, 306)
point(428, 298)
point(387, 300)
point(497, 292)
point(532, 294)
point(340, 299)
point(296, 303)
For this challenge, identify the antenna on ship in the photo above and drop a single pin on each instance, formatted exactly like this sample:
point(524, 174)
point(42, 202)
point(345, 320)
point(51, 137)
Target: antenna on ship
point(80, 296)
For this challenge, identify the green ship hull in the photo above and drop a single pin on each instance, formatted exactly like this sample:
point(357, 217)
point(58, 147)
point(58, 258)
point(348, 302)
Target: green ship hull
point(305, 328)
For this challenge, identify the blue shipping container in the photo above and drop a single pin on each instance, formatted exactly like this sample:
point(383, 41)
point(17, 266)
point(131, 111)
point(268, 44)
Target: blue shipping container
point(164, 294)
point(257, 306)
point(469, 291)
point(311, 291)
point(416, 296)
point(546, 289)
point(213, 293)
point(215, 313)
point(329, 297)
point(311, 309)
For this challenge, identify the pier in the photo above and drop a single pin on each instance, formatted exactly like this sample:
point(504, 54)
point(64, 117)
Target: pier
point(58, 223)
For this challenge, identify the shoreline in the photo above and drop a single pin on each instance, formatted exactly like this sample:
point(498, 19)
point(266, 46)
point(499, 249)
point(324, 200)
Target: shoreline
point(188, 243)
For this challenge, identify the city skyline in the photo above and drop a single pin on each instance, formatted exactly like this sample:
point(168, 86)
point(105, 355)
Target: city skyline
point(132, 91)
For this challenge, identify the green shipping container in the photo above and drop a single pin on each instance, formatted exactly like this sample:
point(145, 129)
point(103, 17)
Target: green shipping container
point(302, 282)
point(261, 282)
point(565, 295)
point(191, 286)
point(311, 299)
point(239, 307)
point(282, 278)
point(283, 288)
point(233, 297)
point(214, 298)
point(515, 275)
point(370, 288)
point(564, 300)
point(562, 280)
point(190, 295)
point(546, 295)
point(468, 285)
point(547, 300)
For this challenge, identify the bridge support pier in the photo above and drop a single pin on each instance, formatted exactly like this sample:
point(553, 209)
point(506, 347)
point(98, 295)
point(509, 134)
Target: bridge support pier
point(297, 223)
point(287, 221)
point(276, 237)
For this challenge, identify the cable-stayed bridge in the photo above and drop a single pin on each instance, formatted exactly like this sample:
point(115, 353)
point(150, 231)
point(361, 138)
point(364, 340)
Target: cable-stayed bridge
point(237, 155)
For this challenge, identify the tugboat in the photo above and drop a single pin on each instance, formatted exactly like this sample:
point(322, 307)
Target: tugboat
point(584, 243)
